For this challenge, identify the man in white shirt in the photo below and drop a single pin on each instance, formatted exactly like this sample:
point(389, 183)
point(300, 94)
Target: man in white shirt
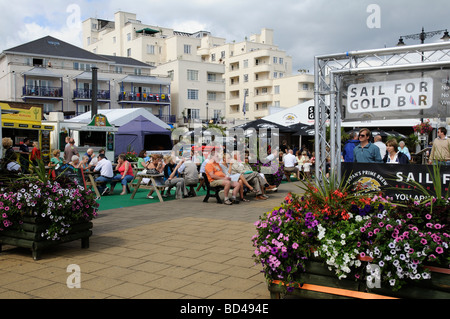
point(379, 142)
point(106, 174)
point(290, 164)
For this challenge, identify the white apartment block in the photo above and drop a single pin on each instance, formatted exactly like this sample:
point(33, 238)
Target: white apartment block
point(197, 88)
point(255, 71)
point(58, 75)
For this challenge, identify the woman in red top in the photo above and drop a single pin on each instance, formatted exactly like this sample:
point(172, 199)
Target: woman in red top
point(35, 153)
point(125, 174)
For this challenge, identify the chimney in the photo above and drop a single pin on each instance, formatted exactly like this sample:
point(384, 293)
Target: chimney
point(94, 106)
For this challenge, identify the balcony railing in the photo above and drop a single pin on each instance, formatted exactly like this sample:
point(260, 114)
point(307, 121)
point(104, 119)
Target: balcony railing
point(145, 97)
point(42, 91)
point(87, 94)
point(167, 118)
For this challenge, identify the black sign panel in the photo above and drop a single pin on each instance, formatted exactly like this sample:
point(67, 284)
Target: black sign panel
point(397, 180)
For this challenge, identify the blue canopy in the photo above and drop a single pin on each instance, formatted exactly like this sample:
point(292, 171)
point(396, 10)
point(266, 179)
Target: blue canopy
point(142, 134)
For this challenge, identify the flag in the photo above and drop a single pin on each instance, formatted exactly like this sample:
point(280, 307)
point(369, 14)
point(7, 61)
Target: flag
point(243, 108)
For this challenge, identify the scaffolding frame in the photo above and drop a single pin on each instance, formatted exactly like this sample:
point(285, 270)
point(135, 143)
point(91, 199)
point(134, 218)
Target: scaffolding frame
point(329, 70)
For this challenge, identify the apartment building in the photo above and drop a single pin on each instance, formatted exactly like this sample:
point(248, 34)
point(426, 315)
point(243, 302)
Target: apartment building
point(58, 75)
point(258, 75)
point(211, 79)
point(197, 89)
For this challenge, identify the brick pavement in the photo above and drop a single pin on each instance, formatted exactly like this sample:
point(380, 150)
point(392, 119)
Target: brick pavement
point(173, 250)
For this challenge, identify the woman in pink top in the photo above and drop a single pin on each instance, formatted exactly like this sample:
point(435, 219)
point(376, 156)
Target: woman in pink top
point(124, 175)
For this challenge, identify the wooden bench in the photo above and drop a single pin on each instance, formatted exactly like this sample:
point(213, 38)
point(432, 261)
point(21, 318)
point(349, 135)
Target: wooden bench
point(151, 184)
point(210, 189)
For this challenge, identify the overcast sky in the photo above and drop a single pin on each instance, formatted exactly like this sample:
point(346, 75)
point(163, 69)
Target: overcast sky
point(303, 28)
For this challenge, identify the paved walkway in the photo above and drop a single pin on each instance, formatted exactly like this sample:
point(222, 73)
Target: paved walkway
point(173, 250)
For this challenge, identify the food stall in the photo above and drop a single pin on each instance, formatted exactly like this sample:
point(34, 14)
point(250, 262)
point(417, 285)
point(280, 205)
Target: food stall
point(20, 120)
point(98, 134)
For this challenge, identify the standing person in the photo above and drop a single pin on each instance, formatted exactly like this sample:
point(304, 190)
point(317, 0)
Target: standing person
point(404, 149)
point(393, 156)
point(70, 150)
point(105, 168)
point(24, 152)
point(378, 141)
point(366, 152)
point(440, 152)
point(125, 174)
point(284, 147)
point(35, 153)
point(290, 164)
point(217, 177)
point(350, 146)
point(171, 177)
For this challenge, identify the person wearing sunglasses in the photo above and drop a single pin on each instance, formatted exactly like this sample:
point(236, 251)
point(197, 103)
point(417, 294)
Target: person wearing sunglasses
point(365, 151)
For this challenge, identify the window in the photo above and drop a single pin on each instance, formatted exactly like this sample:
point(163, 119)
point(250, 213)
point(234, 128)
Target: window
point(128, 36)
point(49, 108)
point(245, 77)
point(128, 52)
point(277, 104)
point(211, 77)
point(305, 87)
point(222, 55)
point(76, 66)
point(192, 75)
point(245, 63)
point(276, 89)
point(137, 71)
point(170, 74)
point(213, 57)
point(212, 96)
point(114, 39)
point(150, 49)
point(193, 113)
point(118, 69)
point(281, 60)
point(187, 49)
point(275, 60)
point(88, 40)
point(275, 75)
point(192, 94)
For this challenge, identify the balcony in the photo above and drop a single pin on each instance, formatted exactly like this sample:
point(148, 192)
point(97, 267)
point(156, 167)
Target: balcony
point(42, 92)
point(131, 97)
point(102, 95)
point(168, 119)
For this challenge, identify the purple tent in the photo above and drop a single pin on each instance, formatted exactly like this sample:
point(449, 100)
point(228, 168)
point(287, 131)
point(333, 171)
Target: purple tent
point(142, 134)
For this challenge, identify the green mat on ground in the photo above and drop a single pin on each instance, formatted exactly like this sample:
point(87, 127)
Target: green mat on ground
point(120, 201)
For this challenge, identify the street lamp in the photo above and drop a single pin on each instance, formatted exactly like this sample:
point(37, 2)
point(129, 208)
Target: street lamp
point(423, 35)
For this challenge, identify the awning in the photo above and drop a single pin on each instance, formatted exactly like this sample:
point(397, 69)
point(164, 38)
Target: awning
point(42, 72)
point(146, 80)
point(147, 31)
point(88, 76)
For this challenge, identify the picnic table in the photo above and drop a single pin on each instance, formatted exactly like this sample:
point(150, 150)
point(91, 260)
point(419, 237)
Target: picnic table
point(149, 183)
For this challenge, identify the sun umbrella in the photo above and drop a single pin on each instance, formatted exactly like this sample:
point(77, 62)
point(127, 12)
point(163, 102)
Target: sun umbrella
point(302, 129)
point(396, 134)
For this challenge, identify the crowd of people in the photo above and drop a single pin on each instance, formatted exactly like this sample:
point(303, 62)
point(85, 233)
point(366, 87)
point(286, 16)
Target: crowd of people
point(360, 149)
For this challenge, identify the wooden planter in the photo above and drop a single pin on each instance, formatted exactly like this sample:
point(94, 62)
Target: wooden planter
point(30, 236)
point(320, 283)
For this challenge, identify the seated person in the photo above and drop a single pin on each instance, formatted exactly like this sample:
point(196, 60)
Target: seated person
point(253, 178)
point(155, 164)
point(105, 168)
point(75, 162)
point(84, 164)
point(217, 177)
point(56, 161)
point(125, 174)
point(190, 175)
point(171, 177)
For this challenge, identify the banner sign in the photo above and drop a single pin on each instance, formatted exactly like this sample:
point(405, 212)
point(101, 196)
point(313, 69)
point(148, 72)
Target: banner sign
point(396, 95)
point(395, 180)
